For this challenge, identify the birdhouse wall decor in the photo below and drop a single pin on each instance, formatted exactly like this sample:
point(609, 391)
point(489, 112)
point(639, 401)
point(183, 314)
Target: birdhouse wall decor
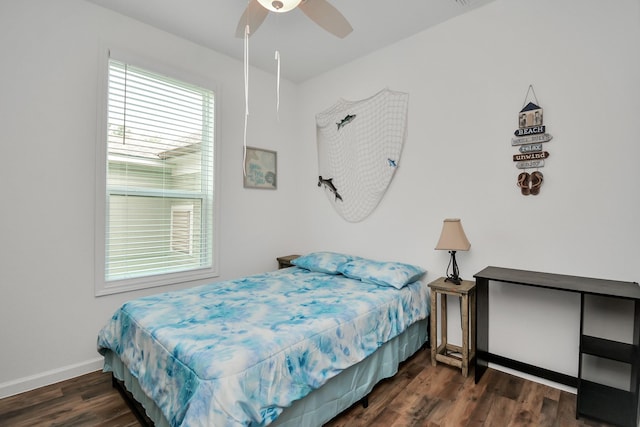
point(529, 138)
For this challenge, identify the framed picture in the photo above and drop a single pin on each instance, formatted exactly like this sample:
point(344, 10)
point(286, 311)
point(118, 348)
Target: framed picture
point(261, 167)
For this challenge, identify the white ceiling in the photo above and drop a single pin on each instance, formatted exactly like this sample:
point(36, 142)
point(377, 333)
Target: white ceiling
point(305, 49)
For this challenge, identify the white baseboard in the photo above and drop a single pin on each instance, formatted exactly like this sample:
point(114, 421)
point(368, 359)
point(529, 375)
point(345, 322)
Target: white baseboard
point(529, 377)
point(32, 382)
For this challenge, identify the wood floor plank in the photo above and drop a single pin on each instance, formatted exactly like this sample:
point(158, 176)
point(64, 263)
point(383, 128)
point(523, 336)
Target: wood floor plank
point(529, 405)
point(548, 412)
point(478, 416)
point(28, 400)
point(419, 395)
point(500, 411)
point(464, 406)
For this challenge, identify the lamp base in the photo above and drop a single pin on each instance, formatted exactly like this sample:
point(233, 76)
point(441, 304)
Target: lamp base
point(454, 280)
point(453, 277)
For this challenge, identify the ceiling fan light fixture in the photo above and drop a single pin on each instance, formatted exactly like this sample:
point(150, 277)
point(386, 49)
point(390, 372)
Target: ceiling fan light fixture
point(280, 5)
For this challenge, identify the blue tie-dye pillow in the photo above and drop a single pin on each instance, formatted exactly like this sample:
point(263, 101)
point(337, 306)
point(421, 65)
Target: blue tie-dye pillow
point(395, 274)
point(322, 262)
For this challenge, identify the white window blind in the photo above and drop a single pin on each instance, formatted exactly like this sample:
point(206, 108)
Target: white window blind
point(159, 175)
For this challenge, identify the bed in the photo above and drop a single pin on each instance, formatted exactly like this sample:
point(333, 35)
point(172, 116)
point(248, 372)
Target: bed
point(293, 347)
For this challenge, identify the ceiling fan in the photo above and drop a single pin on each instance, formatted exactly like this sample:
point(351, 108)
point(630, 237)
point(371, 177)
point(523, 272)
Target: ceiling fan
point(319, 11)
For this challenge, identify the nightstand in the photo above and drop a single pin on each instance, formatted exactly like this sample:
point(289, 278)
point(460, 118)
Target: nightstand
point(285, 261)
point(458, 356)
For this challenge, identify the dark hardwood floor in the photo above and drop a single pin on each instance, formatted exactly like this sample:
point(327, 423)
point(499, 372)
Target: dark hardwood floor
point(419, 395)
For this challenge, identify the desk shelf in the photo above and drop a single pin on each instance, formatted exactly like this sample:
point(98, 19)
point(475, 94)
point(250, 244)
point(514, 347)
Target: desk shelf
point(608, 404)
point(613, 350)
point(602, 402)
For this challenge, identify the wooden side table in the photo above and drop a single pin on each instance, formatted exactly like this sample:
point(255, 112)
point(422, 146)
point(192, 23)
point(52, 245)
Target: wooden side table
point(285, 261)
point(458, 356)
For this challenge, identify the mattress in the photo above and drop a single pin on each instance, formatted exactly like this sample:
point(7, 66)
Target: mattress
point(240, 352)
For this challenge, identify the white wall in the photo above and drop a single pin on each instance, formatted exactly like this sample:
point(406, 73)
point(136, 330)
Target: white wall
point(467, 80)
point(49, 316)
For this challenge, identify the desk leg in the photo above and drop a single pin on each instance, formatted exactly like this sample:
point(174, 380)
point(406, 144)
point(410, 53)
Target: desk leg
point(482, 327)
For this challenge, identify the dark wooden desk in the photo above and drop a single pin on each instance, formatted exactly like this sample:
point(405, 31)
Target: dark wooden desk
point(596, 401)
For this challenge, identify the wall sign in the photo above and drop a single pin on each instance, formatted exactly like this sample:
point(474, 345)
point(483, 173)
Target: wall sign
point(533, 130)
point(531, 139)
point(530, 148)
point(530, 136)
point(530, 164)
point(530, 156)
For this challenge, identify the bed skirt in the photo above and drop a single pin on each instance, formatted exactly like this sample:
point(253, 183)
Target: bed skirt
point(323, 404)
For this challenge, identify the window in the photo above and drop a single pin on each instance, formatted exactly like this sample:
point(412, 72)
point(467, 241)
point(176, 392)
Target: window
point(157, 160)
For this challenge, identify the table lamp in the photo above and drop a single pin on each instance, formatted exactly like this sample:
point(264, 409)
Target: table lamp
point(453, 239)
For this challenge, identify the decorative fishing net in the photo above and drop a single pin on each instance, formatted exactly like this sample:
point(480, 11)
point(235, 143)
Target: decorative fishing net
point(359, 148)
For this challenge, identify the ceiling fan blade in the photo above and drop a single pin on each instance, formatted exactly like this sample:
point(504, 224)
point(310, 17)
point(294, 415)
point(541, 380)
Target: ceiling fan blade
point(253, 16)
point(327, 16)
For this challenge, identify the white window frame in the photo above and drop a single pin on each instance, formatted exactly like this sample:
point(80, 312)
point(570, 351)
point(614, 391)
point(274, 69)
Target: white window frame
point(101, 285)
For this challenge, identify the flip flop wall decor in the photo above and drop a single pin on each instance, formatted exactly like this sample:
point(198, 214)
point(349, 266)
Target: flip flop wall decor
point(529, 138)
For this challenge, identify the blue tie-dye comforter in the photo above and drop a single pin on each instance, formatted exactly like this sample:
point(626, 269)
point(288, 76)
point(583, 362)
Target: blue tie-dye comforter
point(237, 353)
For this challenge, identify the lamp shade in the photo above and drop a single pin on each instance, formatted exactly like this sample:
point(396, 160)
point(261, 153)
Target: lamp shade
point(280, 5)
point(452, 237)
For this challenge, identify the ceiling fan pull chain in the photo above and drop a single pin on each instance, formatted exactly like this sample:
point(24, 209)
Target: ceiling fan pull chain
point(278, 86)
point(246, 97)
